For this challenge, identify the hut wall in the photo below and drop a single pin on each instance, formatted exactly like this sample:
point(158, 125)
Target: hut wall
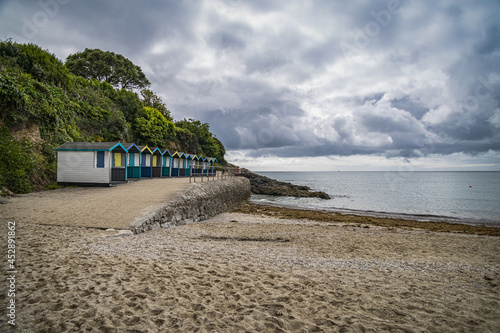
point(81, 167)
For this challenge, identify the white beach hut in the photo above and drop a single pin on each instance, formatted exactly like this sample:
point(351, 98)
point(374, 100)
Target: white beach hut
point(91, 163)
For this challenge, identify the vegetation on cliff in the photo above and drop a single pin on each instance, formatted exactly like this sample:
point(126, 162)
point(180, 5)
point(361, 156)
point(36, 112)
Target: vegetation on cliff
point(44, 103)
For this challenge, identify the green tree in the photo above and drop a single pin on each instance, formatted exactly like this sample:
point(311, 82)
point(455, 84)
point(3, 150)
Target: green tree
point(130, 104)
point(149, 98)
point(107, 66)
point(209, 145)
point(153, 129)
point(31, 59)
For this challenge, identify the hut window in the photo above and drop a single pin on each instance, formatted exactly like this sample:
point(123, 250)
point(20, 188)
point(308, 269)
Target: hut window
point(100, 159)
point(131, 159)
point(154, 160)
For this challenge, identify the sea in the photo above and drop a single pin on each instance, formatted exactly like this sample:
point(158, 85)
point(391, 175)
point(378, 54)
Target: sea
point(460, 197)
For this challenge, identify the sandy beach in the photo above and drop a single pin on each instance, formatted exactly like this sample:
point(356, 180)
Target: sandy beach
point(94, 207)
point(254, 273)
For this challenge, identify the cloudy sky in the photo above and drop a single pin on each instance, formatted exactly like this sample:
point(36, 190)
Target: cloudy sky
point(304, 85)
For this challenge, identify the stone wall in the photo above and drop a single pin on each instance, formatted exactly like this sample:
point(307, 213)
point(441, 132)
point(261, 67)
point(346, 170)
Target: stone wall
point(200, 202)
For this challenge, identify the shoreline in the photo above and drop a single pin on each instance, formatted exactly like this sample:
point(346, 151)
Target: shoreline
point(382, 219)
point(494, 223)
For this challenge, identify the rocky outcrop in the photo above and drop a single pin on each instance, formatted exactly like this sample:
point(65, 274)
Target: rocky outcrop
point(200, 202)
point(265, 185)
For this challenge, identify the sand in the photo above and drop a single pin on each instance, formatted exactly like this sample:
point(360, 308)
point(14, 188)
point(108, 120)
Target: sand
point(254, 273)
point(95, 207)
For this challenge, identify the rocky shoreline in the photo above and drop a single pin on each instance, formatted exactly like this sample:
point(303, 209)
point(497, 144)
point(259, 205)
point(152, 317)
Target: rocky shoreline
point(268, 186)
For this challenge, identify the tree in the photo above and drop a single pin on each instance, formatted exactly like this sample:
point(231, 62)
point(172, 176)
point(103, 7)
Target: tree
point(210, 145)
point(153, 129)
point(150, 99)
point(107, 66)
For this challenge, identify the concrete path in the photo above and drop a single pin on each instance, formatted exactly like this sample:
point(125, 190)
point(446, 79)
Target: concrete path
point(96, 207)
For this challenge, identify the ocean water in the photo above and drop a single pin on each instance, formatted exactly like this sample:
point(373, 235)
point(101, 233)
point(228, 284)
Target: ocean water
point(466, 197)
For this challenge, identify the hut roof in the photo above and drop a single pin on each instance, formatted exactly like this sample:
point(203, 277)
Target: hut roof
point(131, 147)
point(166, 152)
point(145, 149)
point(179, 155)
point(156, 151)
point(91, 146)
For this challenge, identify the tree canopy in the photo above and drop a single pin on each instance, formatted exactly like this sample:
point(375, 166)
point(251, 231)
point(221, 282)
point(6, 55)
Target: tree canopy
point(150, 99)
point(153, 129)
point(107, 66)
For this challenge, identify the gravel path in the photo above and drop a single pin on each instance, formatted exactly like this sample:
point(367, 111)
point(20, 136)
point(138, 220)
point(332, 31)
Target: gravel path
point(94, 207)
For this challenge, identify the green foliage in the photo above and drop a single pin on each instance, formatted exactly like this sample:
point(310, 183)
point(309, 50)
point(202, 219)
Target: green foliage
point(209, 145)
point(16, 164)
point(153, 129)
point(40, 64)
point(129, 103)
point(187, 141)
point(42, 100)
point(149, 98)
point(107, 66)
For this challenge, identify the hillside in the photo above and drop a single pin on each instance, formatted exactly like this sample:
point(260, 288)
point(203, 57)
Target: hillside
point(44, 104)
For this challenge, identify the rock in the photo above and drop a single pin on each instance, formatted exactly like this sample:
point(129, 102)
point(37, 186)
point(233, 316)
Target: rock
point(265, 185)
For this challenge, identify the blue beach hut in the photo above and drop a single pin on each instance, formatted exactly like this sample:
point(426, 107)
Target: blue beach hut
point(166, 163)
point(133, 160)
point(91, 163)
point(206, 165)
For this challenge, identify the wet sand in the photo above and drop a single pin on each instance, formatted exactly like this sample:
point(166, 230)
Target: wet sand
point(255, 273)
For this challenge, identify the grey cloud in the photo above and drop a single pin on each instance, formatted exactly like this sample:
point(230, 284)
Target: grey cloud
point(275, 78)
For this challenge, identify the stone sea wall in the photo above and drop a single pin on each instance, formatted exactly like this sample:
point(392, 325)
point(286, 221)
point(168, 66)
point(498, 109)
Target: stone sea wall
point(200, 202)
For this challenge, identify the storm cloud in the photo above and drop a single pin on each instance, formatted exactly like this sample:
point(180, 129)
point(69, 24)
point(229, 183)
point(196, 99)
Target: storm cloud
point(298, 79)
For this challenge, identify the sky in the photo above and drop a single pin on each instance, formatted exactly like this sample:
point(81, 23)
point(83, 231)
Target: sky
point(304, 85)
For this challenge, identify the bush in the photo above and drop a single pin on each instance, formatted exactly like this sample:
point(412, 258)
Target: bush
point(16, 164)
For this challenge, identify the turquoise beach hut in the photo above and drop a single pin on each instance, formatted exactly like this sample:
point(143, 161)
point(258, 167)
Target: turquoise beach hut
point(91, 163)
point(166, 163)
point(133, 160)
point(182, 165)
point(189, 163)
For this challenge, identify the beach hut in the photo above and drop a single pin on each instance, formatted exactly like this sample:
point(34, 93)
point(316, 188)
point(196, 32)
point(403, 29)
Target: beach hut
point(146, 157)
point(182, 165)
point(199, 169)
point(166, 163)
point(133, 160)
point(212, 161)
point(91, 163)
point(194, 165)
point(176, 163)
point(206, 165)
point(189, 163)
point(156, 160)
